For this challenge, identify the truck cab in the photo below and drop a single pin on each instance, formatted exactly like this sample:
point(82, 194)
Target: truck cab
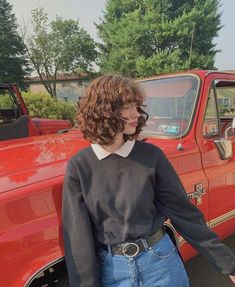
point(192, 118)
point(15, 121)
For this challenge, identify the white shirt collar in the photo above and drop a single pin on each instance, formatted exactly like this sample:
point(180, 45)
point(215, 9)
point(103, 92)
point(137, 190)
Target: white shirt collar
point(123, 151)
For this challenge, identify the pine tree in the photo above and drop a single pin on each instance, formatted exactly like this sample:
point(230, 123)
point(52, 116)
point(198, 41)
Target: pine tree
point(13, 59)
point(147, 37)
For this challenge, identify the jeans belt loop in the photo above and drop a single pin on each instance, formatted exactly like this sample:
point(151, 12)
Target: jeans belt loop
point(144, 242)
point(110, 250)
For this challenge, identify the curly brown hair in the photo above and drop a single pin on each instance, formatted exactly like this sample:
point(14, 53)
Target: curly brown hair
point(99, 110)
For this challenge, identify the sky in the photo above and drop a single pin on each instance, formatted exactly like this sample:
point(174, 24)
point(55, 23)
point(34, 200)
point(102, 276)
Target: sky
point(90, 11)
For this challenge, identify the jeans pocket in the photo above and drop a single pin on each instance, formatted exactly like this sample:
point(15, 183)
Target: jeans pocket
point(164, 248)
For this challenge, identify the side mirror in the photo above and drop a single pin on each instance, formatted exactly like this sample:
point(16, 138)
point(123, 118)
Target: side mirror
point(229, 128)
point(224, 145)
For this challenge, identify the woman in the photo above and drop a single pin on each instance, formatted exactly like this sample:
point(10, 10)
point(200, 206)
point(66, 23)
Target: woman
point(117, 194)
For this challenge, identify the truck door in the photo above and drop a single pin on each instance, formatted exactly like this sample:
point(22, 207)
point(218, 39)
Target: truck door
point(216, 117)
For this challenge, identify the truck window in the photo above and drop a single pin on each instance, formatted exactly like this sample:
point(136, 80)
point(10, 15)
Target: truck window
point(221, 97)
point(170, 104)
point(225, 91)
point(211, 121)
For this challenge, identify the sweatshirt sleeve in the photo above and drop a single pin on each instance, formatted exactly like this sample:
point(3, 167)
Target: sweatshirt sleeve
point(172, 201)
point(77, 233)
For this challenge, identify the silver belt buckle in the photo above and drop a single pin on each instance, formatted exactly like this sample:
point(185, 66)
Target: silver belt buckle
point(130, 249)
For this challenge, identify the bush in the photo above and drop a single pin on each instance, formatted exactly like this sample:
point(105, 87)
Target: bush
point(5, 102)
point(43, 105)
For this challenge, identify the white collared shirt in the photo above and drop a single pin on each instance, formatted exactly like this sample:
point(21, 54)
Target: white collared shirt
point(123, 151)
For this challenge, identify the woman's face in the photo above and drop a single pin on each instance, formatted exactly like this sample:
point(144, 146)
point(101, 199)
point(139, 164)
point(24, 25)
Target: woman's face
point(130, 115)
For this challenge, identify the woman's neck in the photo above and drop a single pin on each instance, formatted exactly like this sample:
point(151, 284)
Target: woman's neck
point(118, 142)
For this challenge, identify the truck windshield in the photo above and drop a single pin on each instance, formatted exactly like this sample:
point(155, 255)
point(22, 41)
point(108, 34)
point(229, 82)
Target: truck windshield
point(170, 105)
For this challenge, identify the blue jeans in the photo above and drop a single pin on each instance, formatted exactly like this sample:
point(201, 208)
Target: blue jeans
point(157, 266)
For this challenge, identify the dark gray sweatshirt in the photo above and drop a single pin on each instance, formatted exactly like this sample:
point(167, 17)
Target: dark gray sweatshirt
point(120, 199)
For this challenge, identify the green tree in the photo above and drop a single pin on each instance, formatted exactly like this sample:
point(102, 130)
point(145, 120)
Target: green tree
point(14, 65)
point(59, 47)
point(146, 37)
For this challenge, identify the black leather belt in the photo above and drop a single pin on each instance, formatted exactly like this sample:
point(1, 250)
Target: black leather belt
point(131, 249)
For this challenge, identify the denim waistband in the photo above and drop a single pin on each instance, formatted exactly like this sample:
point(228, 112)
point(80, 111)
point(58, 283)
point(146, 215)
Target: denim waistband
point(132, 248)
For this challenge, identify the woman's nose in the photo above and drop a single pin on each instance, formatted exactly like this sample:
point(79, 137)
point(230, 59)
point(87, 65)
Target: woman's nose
point(135, 113)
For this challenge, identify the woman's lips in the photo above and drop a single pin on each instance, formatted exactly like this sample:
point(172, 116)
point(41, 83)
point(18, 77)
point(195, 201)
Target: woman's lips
point(134, 124)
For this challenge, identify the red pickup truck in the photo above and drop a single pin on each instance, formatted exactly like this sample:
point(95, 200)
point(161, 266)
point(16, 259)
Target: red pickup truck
point(191, 117)
point(15, 121)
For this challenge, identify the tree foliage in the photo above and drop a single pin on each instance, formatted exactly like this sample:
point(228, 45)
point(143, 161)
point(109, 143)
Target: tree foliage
point(13, 57)
point(59, 47)
point(146, 37)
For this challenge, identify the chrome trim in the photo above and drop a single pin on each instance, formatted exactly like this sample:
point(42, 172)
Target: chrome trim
point(221, 219)
point(213, 223)
point(224, 72)
point(224, 147)
point(45, 267)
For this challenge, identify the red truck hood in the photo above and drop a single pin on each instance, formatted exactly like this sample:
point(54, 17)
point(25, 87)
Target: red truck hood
point(29, 160)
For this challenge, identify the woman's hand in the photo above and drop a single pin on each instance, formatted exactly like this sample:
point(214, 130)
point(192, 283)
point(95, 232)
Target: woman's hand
point(232, 277)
